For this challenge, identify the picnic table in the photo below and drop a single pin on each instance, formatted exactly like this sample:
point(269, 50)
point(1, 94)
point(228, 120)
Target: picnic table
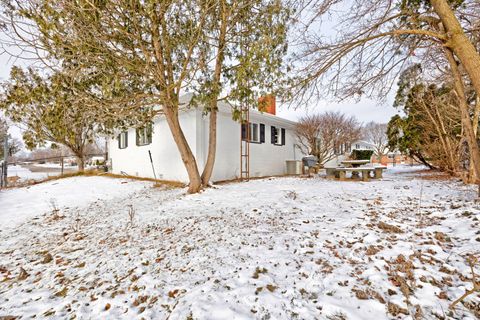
point(378, 171)
point(354, 164)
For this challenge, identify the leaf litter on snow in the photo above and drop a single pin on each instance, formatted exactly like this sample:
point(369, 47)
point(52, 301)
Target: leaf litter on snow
point(280, 248)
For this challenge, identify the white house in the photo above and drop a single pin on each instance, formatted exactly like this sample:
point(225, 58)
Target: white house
point(272, 142)
point(343, 151)
point(362, 145)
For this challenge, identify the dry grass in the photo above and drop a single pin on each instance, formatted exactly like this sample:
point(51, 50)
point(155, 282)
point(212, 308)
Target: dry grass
point(158, 182)
point(221, 182)
point(429, 174)
point(90, 173)
point(437, 176)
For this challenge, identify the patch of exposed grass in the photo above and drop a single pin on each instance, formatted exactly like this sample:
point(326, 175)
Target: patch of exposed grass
point(90, 173)
point(258, 272)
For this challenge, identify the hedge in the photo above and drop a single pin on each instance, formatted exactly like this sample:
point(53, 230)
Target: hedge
point(362, 154)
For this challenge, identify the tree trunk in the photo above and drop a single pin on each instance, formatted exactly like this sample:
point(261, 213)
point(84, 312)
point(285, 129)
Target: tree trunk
point(81, 162)
point(212, 131)
point(421, 159)
point(171, 115)
point(469, 134)
point(212, 148)
point(458, 42)
point(476, 114)
point(442, 135)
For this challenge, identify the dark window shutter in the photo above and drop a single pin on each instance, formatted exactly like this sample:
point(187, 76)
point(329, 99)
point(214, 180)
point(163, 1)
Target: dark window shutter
point(119, 144)
point(126, 138)
point(137, 136)
point(262, 133)
point(283, 136)
point(244, 131)
point(149, 132)
point(272, 134)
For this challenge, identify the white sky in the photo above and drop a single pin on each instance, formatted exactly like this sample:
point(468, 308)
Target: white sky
point(365, 110)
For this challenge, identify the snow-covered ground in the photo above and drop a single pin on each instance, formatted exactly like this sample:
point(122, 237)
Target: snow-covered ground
point(54, 165)
point(280, 248)
point(22, 204)
point(25, 174)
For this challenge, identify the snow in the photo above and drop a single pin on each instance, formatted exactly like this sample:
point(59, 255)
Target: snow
point(25, 174)
point(41, 172)
point(22, 204)
point(54, 165)
point(279, 248)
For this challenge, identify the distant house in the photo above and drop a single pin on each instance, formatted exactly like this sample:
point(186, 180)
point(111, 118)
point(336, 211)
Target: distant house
point(395, 157)
point(362, 145)
point(390, 157)
point(272, 142)
point(343, 151)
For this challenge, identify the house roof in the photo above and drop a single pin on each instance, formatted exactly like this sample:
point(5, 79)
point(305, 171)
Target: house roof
point(363, 142)
point(226, 107)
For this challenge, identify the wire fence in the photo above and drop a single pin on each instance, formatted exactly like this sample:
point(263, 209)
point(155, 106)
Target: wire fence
point(20, 172)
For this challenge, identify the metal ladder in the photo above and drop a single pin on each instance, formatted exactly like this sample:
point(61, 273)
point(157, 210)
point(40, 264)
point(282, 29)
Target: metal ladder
point(245, 144)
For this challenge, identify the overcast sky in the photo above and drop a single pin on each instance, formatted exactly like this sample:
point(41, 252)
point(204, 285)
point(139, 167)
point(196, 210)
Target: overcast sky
point(365, 110)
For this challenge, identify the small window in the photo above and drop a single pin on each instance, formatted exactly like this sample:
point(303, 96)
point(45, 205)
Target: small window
point(277, 136)
point(275, 133)
point(144, 135)
point(336, 149)
point(123, 140)
point(254, 136)
point(256, 132)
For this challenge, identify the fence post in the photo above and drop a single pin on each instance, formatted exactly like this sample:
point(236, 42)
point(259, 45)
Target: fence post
point(1, 175)
point(5, 161)
point(106, 150)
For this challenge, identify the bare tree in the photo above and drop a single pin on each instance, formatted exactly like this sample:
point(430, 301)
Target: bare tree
point(377, 40)
point(321, 134)
point(376, 134)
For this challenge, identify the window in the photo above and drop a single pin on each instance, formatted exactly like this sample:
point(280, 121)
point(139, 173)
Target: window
point(254, 136)
point(336, 149)
point(256, 132)
point(348, 147)
point(277, 136)
point(123, 140)
point(144, 135)
point(342, 148)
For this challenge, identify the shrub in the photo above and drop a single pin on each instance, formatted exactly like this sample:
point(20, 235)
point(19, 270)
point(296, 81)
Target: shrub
point(362, 154)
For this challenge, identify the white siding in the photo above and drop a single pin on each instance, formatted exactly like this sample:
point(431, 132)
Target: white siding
point(269, 159)
point(265, 158)
point(134, 160)
point(227, 161)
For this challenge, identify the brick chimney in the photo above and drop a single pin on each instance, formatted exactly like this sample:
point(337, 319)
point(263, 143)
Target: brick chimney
point(267, 104)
